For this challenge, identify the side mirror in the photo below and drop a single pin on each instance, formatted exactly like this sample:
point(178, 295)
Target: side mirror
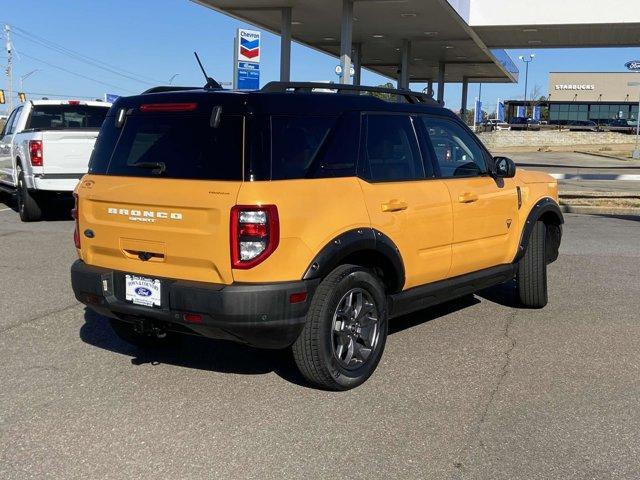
point(504, 167)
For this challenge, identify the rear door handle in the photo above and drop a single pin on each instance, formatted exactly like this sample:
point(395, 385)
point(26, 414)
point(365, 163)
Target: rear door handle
point(394, 206)
point(468, 197)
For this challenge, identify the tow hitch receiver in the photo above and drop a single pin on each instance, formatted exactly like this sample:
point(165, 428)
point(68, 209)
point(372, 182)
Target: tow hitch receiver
point(145, 326)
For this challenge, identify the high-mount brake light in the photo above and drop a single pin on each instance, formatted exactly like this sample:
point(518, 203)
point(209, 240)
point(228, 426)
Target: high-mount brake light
point(168, 107)
point(74, 102)
point(75, 215)
point(255, 234)
point(35, 152)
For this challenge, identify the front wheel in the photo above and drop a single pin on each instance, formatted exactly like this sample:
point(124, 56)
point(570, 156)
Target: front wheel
point(345, 331)
point(531, 280)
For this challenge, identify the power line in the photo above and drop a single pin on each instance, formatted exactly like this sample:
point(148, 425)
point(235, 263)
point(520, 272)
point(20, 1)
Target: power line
point(83, 58)
point(76, 74)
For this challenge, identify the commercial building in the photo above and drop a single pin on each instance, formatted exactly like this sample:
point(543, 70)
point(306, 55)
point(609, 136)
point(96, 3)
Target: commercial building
point(582, 96)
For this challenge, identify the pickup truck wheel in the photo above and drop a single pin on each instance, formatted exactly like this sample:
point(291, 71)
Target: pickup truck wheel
point(345, 331)
point(28, 207)
point(126, 331)
point(531, 280)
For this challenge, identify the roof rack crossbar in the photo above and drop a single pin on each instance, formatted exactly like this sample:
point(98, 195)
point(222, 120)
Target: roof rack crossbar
point(308, 87)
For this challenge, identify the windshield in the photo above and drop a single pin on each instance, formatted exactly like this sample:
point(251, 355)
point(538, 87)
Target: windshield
point(66, 117)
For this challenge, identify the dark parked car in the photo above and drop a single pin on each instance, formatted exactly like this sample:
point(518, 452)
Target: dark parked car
point(617, 125)
point(524, 123)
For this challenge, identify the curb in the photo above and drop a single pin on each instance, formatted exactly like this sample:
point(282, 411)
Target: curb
point(597, 195)
point(596, 210)
point(602, 155)
point(596, 176)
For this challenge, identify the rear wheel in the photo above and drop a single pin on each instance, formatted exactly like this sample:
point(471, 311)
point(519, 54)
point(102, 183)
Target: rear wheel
point(28, 207)
point(346, 330)
point(531, 280)
point(126, 331)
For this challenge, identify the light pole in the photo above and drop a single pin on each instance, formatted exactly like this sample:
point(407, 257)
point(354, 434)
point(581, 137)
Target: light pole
point(25, 76)
point(172, 78)
point(636, 151)
point(527, 60)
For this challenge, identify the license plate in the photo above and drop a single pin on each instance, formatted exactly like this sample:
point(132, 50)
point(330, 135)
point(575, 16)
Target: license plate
point(142, 290)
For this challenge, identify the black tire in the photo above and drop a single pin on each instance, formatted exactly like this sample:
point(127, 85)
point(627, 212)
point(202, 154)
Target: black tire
point(126, 331)
point(531, 280)
point(315, 351)
point(28, 207)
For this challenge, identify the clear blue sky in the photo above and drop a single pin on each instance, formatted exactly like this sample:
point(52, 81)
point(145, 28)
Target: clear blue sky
point(154, 39)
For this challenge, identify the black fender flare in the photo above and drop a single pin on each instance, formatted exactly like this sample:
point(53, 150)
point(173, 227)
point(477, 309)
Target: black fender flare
point(544, 206)
point(352, 242)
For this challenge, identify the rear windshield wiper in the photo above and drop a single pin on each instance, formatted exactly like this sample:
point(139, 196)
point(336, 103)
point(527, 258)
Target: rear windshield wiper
point(158, 167)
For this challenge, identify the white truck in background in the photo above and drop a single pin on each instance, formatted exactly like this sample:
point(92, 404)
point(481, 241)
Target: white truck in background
point(45, 148)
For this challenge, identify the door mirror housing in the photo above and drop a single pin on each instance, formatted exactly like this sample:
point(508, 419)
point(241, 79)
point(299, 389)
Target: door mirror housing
point(504, 167)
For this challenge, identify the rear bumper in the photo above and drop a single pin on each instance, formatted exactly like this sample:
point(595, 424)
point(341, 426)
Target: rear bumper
point(260, 315)
point(55, 183)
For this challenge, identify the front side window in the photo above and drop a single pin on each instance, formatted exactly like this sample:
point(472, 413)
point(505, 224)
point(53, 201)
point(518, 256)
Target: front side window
point(391, 149)
point(456, 151)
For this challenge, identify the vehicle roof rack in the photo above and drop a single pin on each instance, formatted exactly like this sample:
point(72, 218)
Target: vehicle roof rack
point(308, 87)
point(169, 88)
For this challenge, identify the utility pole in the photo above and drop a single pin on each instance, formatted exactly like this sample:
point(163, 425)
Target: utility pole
point(9, 70)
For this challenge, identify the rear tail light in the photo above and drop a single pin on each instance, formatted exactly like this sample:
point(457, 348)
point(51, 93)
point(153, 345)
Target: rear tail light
point(35, 152)
point(74, 214)
point(255, 234)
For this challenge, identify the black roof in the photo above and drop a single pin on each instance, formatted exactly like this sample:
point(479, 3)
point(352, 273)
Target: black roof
point(277, 100)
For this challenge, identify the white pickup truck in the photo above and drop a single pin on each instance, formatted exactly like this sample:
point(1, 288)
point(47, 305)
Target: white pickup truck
point(45, 148)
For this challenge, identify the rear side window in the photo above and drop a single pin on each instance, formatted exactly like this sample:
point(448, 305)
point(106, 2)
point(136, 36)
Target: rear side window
point(171, 146)
point(391, 149)
point(296, 141)
point(66, 117)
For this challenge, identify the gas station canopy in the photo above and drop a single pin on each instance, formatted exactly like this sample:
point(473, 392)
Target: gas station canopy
point(435, 32)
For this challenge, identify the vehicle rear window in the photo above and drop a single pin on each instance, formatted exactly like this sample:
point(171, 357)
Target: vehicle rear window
point(66, 117)
point(171, 146)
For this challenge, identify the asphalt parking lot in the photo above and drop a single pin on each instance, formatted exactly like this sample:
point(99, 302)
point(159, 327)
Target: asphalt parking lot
point(474, 389)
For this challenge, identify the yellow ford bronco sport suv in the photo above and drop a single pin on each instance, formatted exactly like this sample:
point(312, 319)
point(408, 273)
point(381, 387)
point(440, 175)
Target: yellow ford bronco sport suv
point(287, 217)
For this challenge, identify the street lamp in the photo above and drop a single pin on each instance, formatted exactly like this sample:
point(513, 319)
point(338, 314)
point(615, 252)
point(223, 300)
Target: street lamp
point(25, 76)
point(172, 78)
point(636, 152)
point(527, 60)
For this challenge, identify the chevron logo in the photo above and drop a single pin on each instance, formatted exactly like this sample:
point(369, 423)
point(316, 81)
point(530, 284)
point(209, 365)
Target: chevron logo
point(248, 46)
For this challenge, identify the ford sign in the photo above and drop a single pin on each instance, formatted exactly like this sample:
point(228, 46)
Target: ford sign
point(633, 65)
point(143, 292)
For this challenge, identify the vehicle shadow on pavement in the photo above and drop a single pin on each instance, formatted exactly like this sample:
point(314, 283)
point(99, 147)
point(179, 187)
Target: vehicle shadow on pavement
point(58, 209)
point(228, 357)
point(194, 352)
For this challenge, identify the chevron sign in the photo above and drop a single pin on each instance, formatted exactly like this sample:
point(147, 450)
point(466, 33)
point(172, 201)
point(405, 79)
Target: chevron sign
point(248, 46)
